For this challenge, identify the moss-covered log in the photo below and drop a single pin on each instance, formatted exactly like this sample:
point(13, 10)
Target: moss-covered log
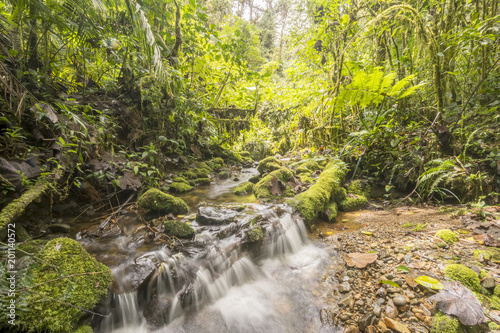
point(313, 201)
point(17, 207)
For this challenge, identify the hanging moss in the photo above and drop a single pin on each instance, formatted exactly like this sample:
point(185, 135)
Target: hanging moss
point(178, 229)
point(352, 203)
point(244, 188)
point(311, 202)
point(179, 187)
point(262, 189)
point(155, 201)
point(269, 164)
point(464, 275)
point(54, 306)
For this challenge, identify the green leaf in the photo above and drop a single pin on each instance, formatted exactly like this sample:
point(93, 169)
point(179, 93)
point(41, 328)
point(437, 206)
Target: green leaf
point(237, 33)
point(389, 282)
point(136, 169)
point(402, 268)
point(429, 282)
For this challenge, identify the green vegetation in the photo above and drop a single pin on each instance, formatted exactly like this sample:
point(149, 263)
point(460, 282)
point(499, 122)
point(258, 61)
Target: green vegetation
point(441, 323)
point(178, 229)
point(353, 202)
point(269, 164)
point(448, 236)
point(155, 201)
point(263, 190)
point(180, 187)
point(464, 275)
point(255, 234)
point(244, 188)
point(79, 281)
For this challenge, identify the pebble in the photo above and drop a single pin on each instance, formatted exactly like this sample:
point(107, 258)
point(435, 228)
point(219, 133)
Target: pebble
point(395, 325)
point(344, 287)
point(390, 310)
point(400, 300)
point(377, 310)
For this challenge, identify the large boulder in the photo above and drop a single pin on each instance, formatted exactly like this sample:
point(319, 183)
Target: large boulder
point(156, 201)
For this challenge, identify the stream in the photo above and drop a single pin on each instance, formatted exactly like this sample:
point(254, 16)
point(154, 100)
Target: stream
point(220, 281)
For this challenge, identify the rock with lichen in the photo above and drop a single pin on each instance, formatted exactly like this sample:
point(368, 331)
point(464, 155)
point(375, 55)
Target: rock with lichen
point(178, 229)
point(447, 235)
point(464, 275)
point(59, 305)
point(157, 202)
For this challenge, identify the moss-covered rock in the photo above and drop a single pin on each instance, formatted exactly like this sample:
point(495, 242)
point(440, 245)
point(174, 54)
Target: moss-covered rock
point(201, 173)
point(156, 201)
point(269, 164)
point(254, 179)
point(255, 234)
point(311, 202)
point(180, 180)
point(262, 189)
point(464, 275)
point(179, 187)
point(331, 211)
point(496, 291)
point(309, 166)
point(216, 163)
point(202, 166)
point(46, 311)
point(202, 181)
point(178, 229)
point(224, 174)
point(441, 323)
point(244, 153)
point(353, 202)
point(359, 187)
point(447, 235)
point(189, 174)
point(84, 329)
point(244, 188)
point(338, 194)
point(489, 254)
point(306, 178)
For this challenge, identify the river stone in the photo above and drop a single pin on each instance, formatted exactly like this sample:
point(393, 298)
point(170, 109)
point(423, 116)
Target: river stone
point(377, 310)
point(365, 321)
point(215, 216)
point(345, 300)
point(390, 310)
point(488, 283)
point(344, 287)
point(400, 300)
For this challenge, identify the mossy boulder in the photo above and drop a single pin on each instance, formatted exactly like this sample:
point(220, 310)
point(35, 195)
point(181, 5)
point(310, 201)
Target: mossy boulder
point(464, 275)
point(309, 166)
point(202, 181)
point(224, 174)
point(189, 174)
point(244, 153)
point(489, 254)
point(313, 201)
point(331, 211)
point(244, 188)
point(263, 189)
point(46, 311)
point(180, 180)
point(178, 229)
point(84, 329)
point(338, 194)
point(254, 179)
point(353, 202)
point(201, 173)
point(180, 187)
point(255, 234)
point(447, 235)
point(216, 163)
point(359, 187)
point(158, 202)
point(269, 164)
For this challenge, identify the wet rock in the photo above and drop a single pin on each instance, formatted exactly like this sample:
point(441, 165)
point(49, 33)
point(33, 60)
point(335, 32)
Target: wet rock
point(344, 287)
point(396, 326)
point(59, 228)
point(371, 329)
point(136, 271)
point(400, 300)
point(351, 329)
point(390, 310)
point(382, 292)
point(215, 216)
point(156, 312)
point(109, 229)
point(365, 321)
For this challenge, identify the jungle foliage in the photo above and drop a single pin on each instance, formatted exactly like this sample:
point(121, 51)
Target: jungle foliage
point(405, 92)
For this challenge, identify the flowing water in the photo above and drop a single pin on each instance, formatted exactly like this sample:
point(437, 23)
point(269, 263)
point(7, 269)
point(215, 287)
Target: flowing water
point(219, 282)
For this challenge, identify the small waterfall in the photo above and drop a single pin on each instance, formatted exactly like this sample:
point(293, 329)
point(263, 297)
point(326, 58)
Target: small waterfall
point(185, 285)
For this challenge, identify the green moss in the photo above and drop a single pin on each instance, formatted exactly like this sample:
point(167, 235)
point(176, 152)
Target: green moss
point(254, 179)
point(244, 188)
point(178, 229)
point(492, 302)
point(224, 174)
point(311, 202)
point(62, 257)
point(269, 164)
point(180, 180)
point(262, 189)
point(447, 235)
point(32, 246)
point(244, 153)
point(189, 174)
point(420, 227)
point(490, 254)
point(203, 166)
point(306, 178)
point(464, 275)
point(178, 187)
point(339, 194)
point(331, 211)
point(309, 166)
point(407, 225)
point(496, 291)
point(203, 181)
point(201, 173)
point(216, 163)
point(155, 201)
point(441, 323)
point(493, 326)
point(255, 234)
point(84, 329)
point(359, 187)
point(353, 202)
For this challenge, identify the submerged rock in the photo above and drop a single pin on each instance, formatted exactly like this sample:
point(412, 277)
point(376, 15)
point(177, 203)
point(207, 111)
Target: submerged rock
point(155, 201)
point(213, 215)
